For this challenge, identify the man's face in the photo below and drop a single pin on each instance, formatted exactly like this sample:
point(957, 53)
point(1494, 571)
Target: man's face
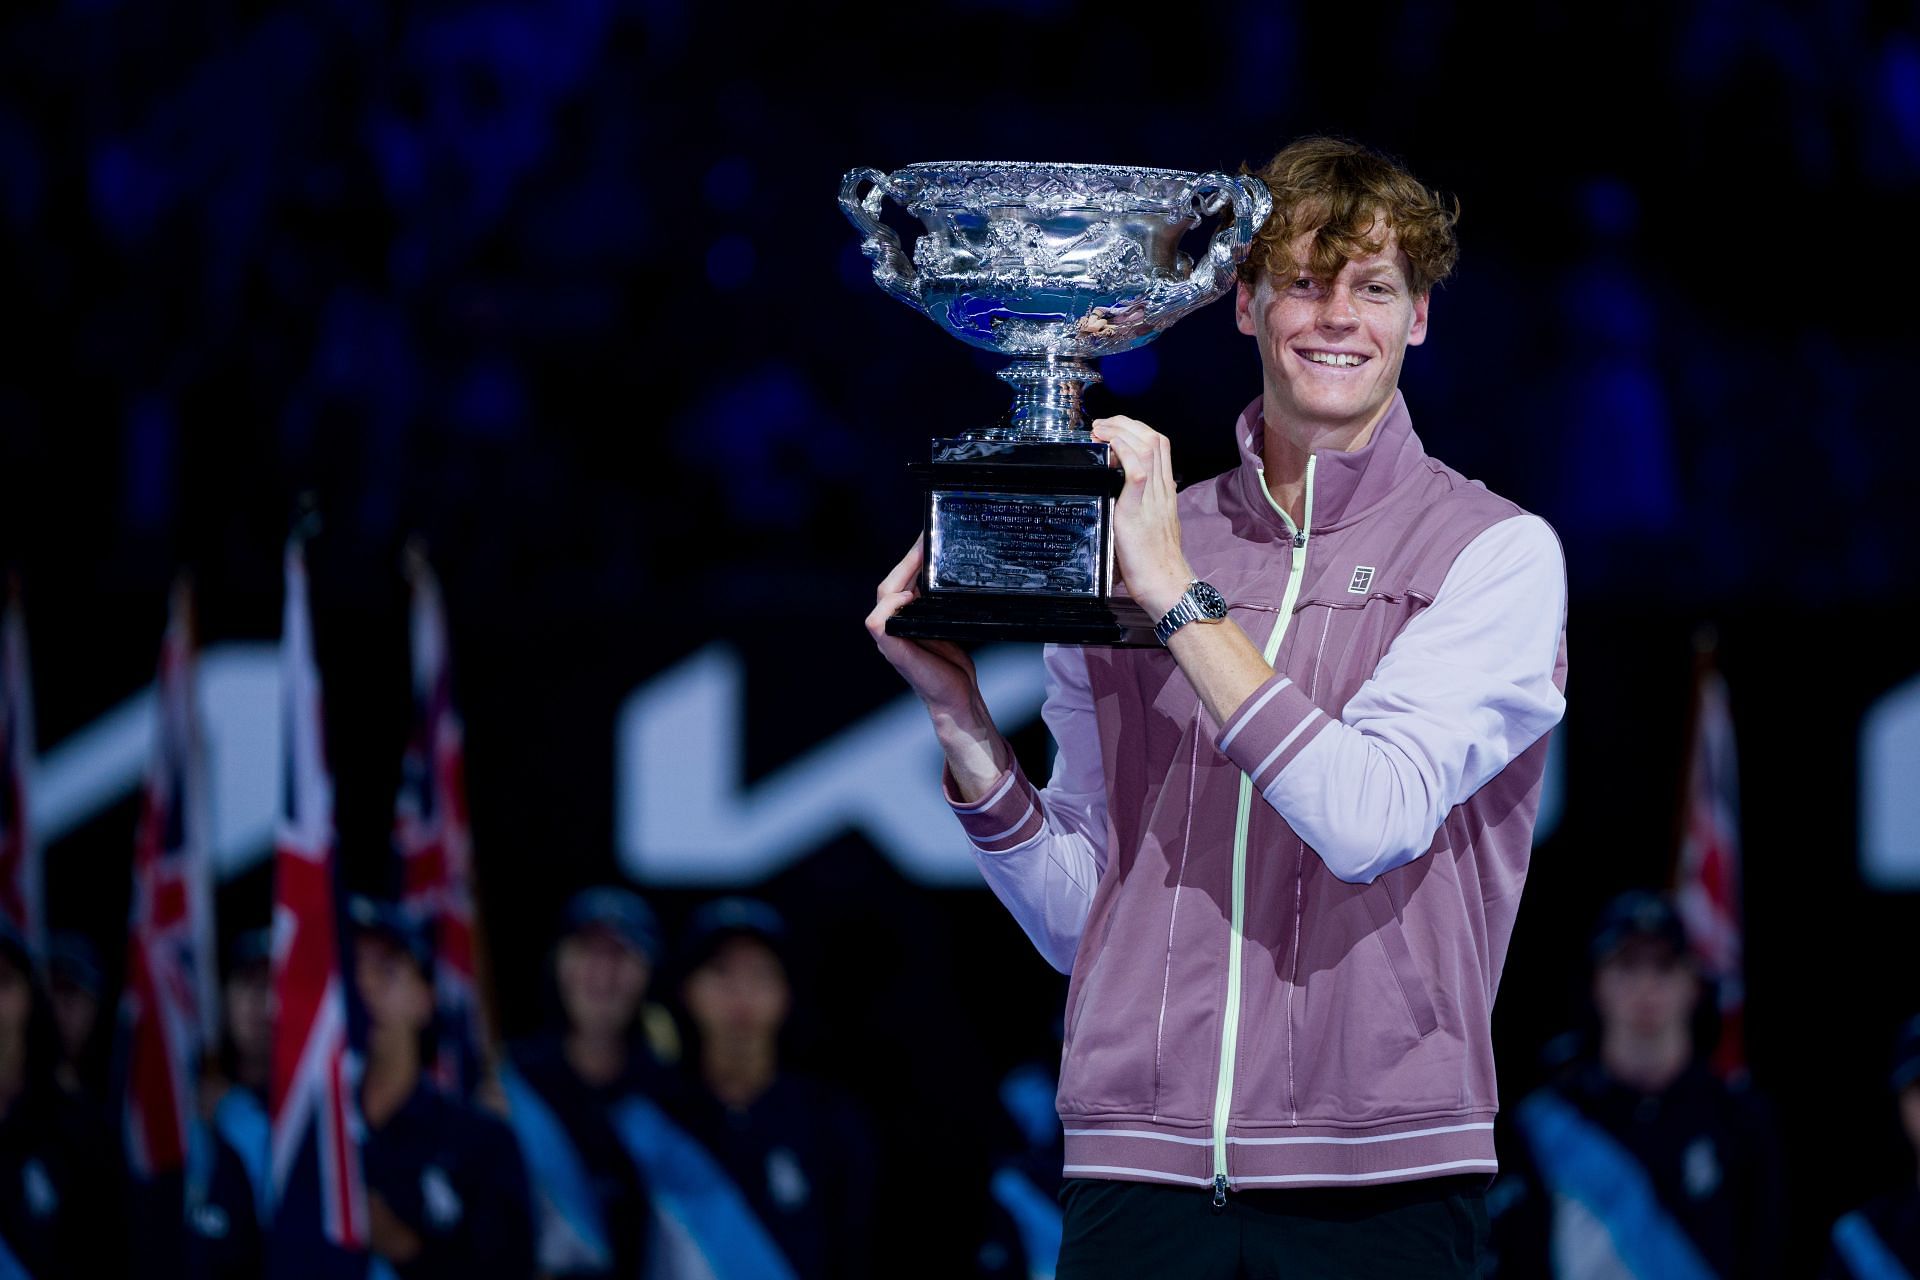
point(1645, 989)
point(397, 995)
point(249, 1006)
point(1331, 350)
point(602, 981)
point(75, 1010)
point(741, 993)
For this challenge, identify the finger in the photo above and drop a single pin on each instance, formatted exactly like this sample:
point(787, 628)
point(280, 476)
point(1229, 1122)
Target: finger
point(889, 604)
point(1132, 453)
point(903, 573)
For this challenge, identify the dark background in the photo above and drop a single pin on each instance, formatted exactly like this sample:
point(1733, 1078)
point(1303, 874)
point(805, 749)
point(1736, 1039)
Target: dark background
point(562, 286)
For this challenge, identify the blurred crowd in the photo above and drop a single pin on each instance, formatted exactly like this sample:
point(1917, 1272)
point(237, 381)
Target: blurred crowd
point(651, 1130)
point(654, 1129)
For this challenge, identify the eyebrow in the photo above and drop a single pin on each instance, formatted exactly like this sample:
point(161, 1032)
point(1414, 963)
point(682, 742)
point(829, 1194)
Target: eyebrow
point(1386, 266)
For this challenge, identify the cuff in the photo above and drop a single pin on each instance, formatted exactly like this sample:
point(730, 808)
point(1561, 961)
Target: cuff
point(1008, 815)
point(1272, 726)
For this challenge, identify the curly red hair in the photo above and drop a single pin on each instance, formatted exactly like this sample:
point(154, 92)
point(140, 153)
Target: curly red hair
point(1350, 196)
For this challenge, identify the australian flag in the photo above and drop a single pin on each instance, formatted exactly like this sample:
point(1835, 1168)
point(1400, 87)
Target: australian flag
point(320, 1223)
point(430, 832)
point(1707, 873)
point(168, 1010)
point(20, 870)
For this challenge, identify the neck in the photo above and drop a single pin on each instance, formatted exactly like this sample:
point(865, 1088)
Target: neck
point(1287, 443)
point(393, 1072)
point(738, 1071)
point(1648, 1063)
point(598, 1057)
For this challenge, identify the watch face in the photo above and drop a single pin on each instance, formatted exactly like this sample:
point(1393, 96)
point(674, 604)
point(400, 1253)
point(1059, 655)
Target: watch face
point(1212, 603)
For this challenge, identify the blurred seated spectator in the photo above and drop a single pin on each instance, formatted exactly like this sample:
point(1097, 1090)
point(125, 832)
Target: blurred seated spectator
point(74, 983)
point(1881, 1239)
point(1024, 1226)
point(61, 1211)
point(227, 1175)
point(1637, 1160)
point(801, 1151)
point(447, 1194)
point(594, 1213)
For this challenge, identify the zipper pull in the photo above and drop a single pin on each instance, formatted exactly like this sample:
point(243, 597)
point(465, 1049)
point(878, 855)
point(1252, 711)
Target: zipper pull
point(1299, 538)
point(1219, 1191)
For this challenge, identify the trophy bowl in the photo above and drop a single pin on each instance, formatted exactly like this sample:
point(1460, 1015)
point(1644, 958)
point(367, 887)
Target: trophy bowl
point(1054, 266)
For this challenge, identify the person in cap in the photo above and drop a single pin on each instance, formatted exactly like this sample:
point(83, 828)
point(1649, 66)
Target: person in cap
point(595, 1212)
point(60, 1203)
point(228, 1180)
point(801, 1151)
point(74, 985)
point(1881, 1239)
point(1635, 1159)
point(447, 1193)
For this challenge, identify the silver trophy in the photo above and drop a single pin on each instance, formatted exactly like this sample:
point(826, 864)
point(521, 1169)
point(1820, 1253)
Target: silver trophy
point(1054, 265)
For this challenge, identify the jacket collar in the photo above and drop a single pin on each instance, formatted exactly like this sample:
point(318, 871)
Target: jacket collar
point(1346, 486)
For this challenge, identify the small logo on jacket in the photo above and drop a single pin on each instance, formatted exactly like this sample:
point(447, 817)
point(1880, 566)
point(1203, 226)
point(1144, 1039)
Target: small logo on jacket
point(1362, 579)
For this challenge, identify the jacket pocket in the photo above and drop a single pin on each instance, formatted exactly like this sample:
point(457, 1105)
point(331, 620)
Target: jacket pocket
point(1400, 961)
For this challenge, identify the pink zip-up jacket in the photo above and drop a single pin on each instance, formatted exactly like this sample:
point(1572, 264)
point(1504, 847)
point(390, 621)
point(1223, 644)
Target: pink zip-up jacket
point(1285, 932)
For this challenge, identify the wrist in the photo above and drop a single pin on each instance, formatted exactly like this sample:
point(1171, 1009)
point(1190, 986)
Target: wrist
point(968, 730)
point(1162, 593)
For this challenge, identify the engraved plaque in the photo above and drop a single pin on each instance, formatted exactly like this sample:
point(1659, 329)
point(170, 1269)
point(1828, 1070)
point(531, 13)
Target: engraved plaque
point(1045, 544)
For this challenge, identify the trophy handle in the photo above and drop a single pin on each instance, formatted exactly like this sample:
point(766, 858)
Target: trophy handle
point(892, 270)
point(1213, 275)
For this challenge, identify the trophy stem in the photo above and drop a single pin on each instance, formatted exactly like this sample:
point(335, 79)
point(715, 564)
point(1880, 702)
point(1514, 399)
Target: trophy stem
point(1048, 395)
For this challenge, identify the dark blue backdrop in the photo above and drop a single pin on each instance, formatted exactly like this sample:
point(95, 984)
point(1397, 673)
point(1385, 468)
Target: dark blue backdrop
point(562, 285)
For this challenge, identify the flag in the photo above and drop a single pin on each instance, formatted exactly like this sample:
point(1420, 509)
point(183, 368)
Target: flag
point(319, 1195)
point(430, 832)
point(21, 903)
point(169, 1010)
point(1707, 870)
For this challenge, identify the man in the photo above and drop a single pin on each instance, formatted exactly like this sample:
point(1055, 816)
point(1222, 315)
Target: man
point(228, 1177)
point(1637, 1159)
point(596, 1211)
point(1290, 989)
point(800, 1152)
point(1881, 1239)
point(446, 1191)
point(74, 985)
point(61, 1212)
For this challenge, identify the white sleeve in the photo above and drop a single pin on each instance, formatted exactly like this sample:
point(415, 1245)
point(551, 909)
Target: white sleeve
point(1463, 689)
point(1042, 850)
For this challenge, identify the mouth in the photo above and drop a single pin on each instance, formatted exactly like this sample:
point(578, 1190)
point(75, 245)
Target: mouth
point(1331, 359)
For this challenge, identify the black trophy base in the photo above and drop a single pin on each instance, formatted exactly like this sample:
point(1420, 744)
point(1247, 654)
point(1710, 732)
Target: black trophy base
point(971, 618)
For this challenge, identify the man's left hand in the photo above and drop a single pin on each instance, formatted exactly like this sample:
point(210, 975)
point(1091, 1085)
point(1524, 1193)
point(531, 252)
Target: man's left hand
point(1146, 519)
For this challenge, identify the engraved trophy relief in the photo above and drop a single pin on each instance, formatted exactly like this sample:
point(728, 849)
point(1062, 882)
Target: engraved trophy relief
point(1054, 265)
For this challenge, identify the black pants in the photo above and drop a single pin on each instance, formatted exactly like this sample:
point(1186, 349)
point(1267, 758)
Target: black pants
point(1430, 1229)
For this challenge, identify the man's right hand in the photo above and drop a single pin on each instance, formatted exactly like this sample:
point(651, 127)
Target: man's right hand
point(942, 673)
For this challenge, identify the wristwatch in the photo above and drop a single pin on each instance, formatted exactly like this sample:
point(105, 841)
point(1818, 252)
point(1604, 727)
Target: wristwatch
point(1200, 603)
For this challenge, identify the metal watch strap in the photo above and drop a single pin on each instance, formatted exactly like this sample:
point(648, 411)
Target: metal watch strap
point(1192, 606)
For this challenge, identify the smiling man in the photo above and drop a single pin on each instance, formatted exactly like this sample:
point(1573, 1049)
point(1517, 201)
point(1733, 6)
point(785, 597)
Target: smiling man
point(1282, 856)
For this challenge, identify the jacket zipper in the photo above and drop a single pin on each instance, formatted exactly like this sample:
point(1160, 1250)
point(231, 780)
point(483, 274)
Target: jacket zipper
point(1230, 1021)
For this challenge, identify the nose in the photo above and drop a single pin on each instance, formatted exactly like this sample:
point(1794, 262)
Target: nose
point(1337, 311)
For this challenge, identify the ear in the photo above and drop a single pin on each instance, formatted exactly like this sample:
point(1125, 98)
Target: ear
point(1417, 333)
point(1243, 303)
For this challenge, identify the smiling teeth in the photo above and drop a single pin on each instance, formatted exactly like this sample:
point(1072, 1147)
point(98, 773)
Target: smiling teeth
point(1337, 360)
